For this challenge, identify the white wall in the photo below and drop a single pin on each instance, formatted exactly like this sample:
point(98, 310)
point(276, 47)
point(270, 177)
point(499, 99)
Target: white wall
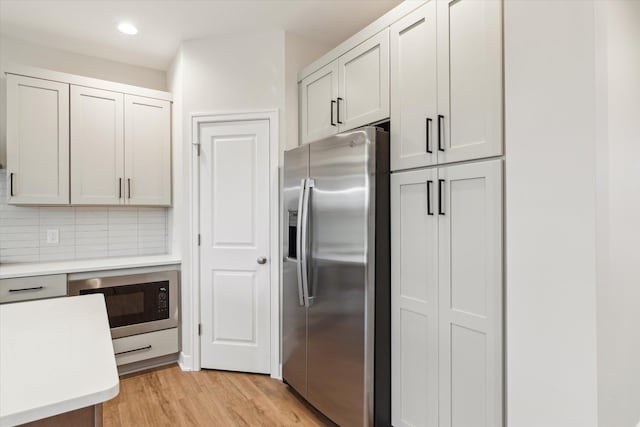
point(550, 213)
point(176, 215)
point(619, 208)
point(248, 72)
point(13, 51)
point(222, 74)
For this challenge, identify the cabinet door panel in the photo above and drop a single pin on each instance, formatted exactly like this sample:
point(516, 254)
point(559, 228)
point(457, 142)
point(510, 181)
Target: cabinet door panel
point(414, 298)
point(37, 141)
point(470, 78)
point(147, 151)
point(470, 295)
point(364, 83)
point(413, 89)
point(97, 145)
point(318, 110)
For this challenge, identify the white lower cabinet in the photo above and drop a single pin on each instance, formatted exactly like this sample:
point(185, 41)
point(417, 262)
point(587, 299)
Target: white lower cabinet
point(145, 346)
point(414, 298)
point(446, 262)
point(33, 287)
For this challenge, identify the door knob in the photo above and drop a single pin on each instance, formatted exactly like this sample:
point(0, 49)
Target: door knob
point(262, 260)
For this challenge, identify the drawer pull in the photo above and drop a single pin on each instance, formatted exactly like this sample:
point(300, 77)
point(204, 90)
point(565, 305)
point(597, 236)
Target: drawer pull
point(148, 347)
point(34, 289)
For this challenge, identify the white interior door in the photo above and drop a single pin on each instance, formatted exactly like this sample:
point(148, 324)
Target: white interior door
point(469, 79)
point(414, 298)
point(470, 294)
point(413, 89)
point(234, 253)
point(97, 147)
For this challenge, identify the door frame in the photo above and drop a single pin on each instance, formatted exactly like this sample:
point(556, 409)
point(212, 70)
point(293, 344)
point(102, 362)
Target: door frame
point(198, 119)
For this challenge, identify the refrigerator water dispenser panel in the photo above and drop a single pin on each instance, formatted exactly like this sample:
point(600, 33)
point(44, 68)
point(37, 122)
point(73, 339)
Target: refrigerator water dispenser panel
point(293, 232)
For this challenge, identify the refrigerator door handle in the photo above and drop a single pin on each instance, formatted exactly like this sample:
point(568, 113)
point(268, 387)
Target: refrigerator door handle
point(304, 244)
point(303, 185)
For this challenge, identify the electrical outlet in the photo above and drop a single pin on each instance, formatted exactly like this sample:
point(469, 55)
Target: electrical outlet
point(53, 236)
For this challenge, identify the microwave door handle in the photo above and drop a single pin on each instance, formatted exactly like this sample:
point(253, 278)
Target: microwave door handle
point(303, 184)
point(304, 244)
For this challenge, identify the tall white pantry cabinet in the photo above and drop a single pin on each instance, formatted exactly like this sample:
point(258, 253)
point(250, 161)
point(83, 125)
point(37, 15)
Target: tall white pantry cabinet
point(434, 70)
point(446, 216)
point(80, 141)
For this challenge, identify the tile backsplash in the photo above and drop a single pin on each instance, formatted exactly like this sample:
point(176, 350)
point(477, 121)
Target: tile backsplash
point(84, 232)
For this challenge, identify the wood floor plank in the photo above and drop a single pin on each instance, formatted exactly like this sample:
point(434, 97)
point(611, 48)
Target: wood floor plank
point(170, 397)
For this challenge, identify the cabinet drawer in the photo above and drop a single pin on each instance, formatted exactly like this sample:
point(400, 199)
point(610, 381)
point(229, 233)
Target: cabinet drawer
point(145, 346)
point(34, 287)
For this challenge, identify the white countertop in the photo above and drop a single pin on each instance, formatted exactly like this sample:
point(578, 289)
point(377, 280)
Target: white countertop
point(8, 271)
point(56, 356)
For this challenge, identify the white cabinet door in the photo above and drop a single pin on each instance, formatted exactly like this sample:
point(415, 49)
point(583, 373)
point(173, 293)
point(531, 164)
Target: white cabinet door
point(234, 254)
point(414, 89)
point(364, 83)
point(414, 298)
point(470, 294)
point(147, 151)
point(318, 98)
point(469, 79)
point(97, 147)
point(37, 141)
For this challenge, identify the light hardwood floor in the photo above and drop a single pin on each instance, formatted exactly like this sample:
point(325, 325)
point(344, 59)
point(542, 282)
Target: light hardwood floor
point(170, 397)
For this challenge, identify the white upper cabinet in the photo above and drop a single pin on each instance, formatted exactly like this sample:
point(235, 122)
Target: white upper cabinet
point(414, 86)
point(318, 99)
point(37, 141)
point(349, 92)
point(469, 79)
point(147, 151)
point(446, 83)
point(82, 141)
point(97, 146)
point(364, 83)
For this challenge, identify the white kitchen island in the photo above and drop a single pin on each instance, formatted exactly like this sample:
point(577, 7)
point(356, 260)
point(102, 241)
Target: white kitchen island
point(56, 357)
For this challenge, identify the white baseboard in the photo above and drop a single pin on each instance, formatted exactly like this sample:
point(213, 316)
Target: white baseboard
point(185, 362)
point(277, 375)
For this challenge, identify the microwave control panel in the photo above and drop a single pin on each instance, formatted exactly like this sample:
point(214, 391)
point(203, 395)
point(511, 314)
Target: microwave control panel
point(163, 300)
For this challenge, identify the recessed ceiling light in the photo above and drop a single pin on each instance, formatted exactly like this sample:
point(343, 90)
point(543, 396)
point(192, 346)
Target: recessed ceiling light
point(127, 28)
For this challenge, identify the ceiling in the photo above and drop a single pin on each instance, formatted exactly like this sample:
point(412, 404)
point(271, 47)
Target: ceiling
point(89, 27)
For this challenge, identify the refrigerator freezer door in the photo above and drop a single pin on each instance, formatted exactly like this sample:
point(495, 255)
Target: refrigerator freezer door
point(338, 275)
point(294, 313)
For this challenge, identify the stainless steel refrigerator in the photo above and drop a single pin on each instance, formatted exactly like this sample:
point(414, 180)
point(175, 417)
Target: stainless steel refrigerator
point(336, 276)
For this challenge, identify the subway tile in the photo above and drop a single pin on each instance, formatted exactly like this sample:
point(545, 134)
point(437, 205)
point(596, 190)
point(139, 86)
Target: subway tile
point(84, 232)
